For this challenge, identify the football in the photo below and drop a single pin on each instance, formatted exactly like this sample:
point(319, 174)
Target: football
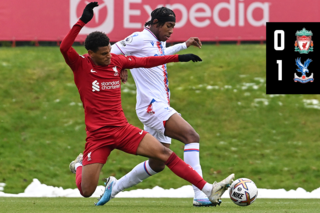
point(243, 192)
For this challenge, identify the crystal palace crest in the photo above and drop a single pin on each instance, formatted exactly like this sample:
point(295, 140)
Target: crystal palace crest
point(303, 69)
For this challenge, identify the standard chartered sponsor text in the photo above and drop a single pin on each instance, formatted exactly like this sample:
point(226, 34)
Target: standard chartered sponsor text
point(110, 85)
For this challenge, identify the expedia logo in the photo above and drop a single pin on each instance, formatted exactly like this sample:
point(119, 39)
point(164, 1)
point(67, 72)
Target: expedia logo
point(103, 19)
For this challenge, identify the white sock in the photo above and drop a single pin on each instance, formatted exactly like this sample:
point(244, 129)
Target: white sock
point(207, 189)
point(136, 175)
point(77, 165)
point(191, 157)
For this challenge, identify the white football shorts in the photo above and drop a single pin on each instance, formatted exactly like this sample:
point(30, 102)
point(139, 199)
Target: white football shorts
point(154, 117)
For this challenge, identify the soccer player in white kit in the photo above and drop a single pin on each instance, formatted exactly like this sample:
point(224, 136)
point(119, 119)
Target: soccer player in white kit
point(153, 99)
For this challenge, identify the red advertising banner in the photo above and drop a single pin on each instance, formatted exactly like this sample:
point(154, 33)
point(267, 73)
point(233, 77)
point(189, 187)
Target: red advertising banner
point(210, 20)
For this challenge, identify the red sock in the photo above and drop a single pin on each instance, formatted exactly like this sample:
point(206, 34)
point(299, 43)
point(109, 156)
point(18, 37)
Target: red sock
point(185, 171)
point(79, 178)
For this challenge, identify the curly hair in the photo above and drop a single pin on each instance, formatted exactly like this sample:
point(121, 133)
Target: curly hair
point(158, 14)
point(95, 40)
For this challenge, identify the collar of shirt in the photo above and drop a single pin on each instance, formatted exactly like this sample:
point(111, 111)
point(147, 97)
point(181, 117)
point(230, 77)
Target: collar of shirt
point(148, 32)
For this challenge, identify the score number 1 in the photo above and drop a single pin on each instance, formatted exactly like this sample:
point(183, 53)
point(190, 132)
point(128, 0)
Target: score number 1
point(278, 47)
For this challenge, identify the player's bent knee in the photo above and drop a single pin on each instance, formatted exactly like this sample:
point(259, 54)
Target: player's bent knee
point(156, 165)
point(164, 154)
point(192, 136)
point(167, 151)
point(87, 193)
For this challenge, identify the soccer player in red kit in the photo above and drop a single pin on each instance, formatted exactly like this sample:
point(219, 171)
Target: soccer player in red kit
point(97, 77)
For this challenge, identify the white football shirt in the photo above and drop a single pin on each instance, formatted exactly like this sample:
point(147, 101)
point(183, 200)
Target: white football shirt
point(152, 83)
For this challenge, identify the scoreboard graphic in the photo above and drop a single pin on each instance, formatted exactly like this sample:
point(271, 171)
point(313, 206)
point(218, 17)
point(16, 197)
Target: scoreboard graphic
point(293, 58)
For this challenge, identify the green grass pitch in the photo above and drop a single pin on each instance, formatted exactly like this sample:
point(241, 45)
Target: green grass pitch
point(155, 205)
point(273, 140)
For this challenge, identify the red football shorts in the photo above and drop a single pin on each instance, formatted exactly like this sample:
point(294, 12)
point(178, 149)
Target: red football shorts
point(102, 141)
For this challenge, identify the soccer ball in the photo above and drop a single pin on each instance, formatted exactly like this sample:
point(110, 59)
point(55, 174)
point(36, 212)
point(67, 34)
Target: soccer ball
point(243, 192)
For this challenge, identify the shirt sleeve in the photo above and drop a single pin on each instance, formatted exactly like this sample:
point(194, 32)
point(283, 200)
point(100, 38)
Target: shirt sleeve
point(116, 50)
point(69, 54)
point(129, 45)
point(175, 48)
point(129, 62)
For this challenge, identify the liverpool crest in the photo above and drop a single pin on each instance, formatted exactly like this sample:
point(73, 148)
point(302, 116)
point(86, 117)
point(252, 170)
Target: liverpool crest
point(303, 68)
point(303, 44)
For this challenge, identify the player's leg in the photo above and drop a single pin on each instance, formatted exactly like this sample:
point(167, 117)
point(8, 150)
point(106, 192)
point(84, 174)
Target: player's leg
point(87, 177)
point(166, 123)
point(132, 140)
point(151, 148)
point(139, 173)
point(178, 128)
point(143, 170)
point(76, 168)
point(154, 118)
point(155, 124)
point(90, 178)
point(158, 165)
point(155, 164)
point(88, 166)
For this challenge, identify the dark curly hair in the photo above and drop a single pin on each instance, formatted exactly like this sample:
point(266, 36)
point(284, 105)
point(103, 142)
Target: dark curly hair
point(95, 40)
point(158, 14)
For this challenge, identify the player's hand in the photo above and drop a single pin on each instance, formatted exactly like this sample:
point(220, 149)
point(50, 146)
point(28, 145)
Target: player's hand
point(195, 41)
point(88, 12)
point(124, 76)
point(189, 57)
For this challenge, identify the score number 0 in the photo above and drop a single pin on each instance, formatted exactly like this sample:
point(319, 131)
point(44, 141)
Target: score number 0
point(279, 47)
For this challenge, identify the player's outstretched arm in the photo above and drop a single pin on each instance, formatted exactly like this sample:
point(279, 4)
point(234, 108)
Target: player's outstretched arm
point(193, 41)
point(70, 55)
point(153, 61)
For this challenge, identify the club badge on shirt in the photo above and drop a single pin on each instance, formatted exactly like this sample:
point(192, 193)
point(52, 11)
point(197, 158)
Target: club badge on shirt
point(115, 71)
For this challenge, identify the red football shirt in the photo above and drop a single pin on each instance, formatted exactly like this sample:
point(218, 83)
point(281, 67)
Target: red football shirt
point(100, 86)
